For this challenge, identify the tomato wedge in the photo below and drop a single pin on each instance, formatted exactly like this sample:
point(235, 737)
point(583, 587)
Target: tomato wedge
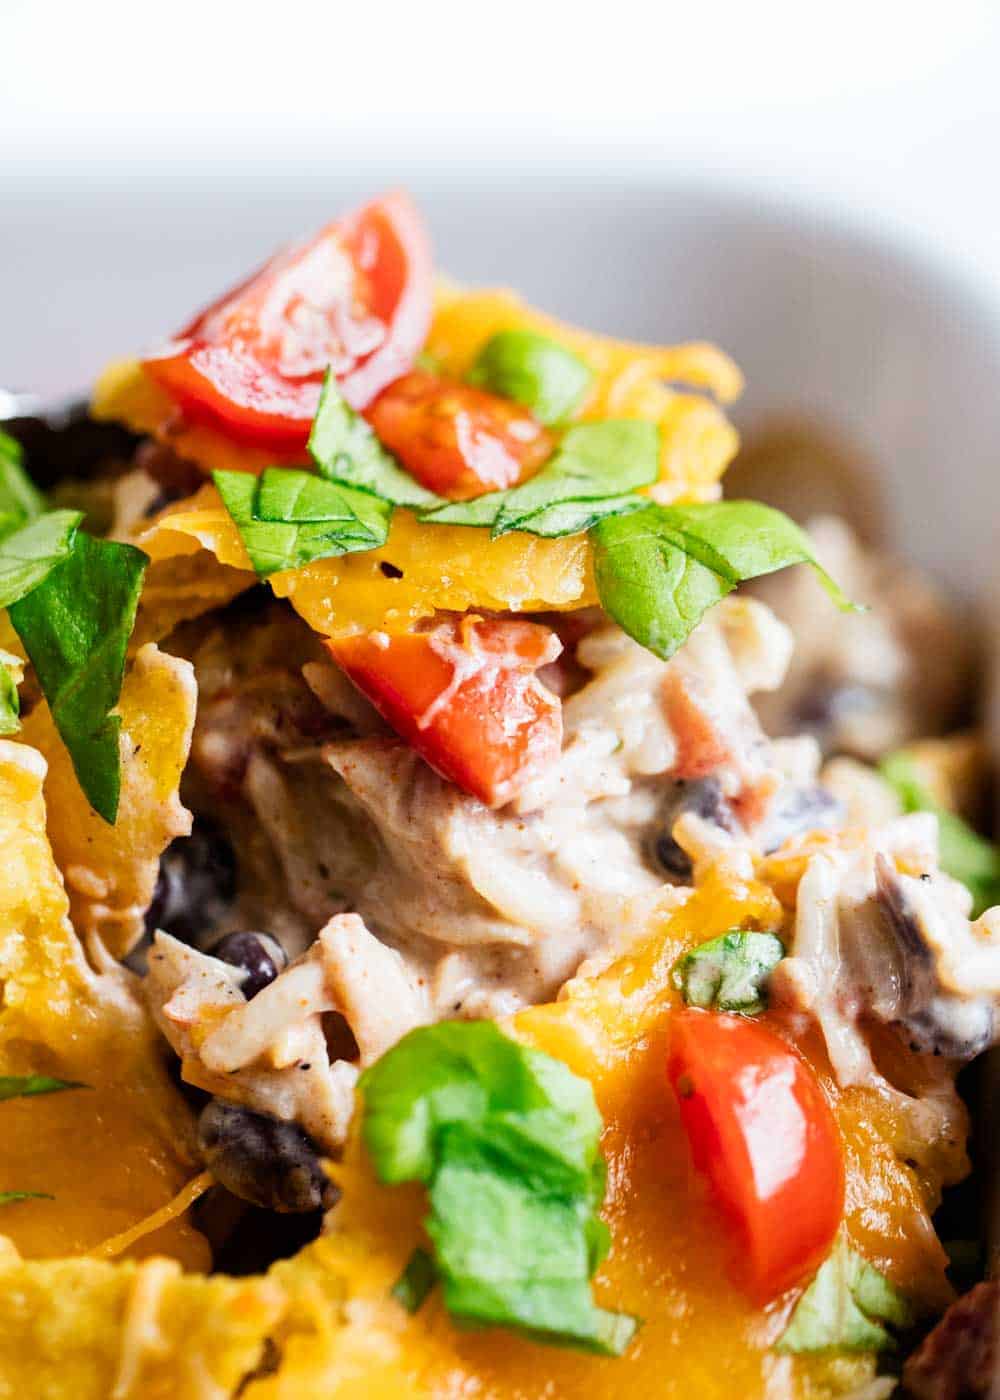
point(357, 298)
point(465, 696)
point(762, 1131)
point(456, 440)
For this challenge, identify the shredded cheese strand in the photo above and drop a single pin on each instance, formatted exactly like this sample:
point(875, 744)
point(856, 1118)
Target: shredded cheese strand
point(181, 1202)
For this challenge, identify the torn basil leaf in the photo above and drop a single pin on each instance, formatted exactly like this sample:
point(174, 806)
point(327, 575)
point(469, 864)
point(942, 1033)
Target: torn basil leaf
point(20, 499)
point(729, 973)
point(345, 449)
point(848, 1306)
point(8, 1198)
point(660, 569)
point(20, 1086)
point(416, 1281)
point(964, 854)
point(595, 462)
point(506, 1140)
point(534, 371)
point(288, 518)
point(31, 551)
point(75, 628)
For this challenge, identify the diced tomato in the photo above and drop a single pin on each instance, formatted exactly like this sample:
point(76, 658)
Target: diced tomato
point(466, 697)
point(762, 1131)
point(456, 440)
point(356, 298)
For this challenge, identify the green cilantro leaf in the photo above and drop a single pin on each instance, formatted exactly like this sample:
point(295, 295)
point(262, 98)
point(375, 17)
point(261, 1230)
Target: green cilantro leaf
point(288, 518)
point(660, 569)
point(964, 854)
point(8, 1198)
point(506, 1140)
point(19, 1086)
point(29, 553)
point(20, 499)
point(535, 371)
point(849, 1306)
point(729, 973)
point(345, 449)
point(594, 462)
point(416, 1281)
point(75, 628)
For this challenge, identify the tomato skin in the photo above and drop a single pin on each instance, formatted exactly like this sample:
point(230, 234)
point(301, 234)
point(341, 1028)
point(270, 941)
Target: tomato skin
point(761, 1130)
point(465, 696)
point(357, 297)
point(457, 440)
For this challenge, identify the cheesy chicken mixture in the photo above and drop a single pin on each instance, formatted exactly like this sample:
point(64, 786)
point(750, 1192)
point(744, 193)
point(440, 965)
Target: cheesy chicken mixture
point(453, 939)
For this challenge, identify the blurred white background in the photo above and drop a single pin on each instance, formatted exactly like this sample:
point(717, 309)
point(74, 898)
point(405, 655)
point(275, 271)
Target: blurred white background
point(134, 137)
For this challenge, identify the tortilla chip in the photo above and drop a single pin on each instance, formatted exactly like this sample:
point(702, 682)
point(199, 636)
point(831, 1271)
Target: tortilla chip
point(83, 1330)
point(110, 871)
point(120, 1148)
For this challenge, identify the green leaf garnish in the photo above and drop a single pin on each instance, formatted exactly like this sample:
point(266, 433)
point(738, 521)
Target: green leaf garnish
point(729, 973)
point(848, 1306)
point(288, 518)
point(75, 628)
point(416, 1281)
point(964, 854)
point(535, 371)
point(20, 1086)
point(20, 499)
point(594, 462)
point(660, 569)
point(30, 552)
point(8, 1198)
point(345, 449)
point(506, 1140)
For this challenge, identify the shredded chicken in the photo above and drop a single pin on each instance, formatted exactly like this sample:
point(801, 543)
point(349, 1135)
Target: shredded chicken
point(865, 683)
point(278, 1050)
point(882, 936)
point(467, 911)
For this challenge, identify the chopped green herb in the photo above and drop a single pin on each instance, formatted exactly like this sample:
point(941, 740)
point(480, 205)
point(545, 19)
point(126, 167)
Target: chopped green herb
point(8, 1198)
point(576, 517)
point(20, 499)
point(19, 1086)
point(965, 855)
point(660, 569)
point(345, 449)
point(535, 371)
point(729, 973)
point(289, 518)
point(595, 462)
point(416, 1281)
point(30, 552)
point(75, 628)
point(848, 1306)
point(506, 1141)
point(10, 703)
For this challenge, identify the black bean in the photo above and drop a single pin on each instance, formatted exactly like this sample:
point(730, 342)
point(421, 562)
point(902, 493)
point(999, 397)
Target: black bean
point(706, 800)
point(257, 954)
point(801, 809)
point(262, 1159)
point(66, 442)
point(197, 880)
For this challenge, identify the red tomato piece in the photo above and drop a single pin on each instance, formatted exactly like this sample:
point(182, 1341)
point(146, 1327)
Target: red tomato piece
point(456, 440)
point(466, 697)
point(357, 298)
point(762, 1131)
